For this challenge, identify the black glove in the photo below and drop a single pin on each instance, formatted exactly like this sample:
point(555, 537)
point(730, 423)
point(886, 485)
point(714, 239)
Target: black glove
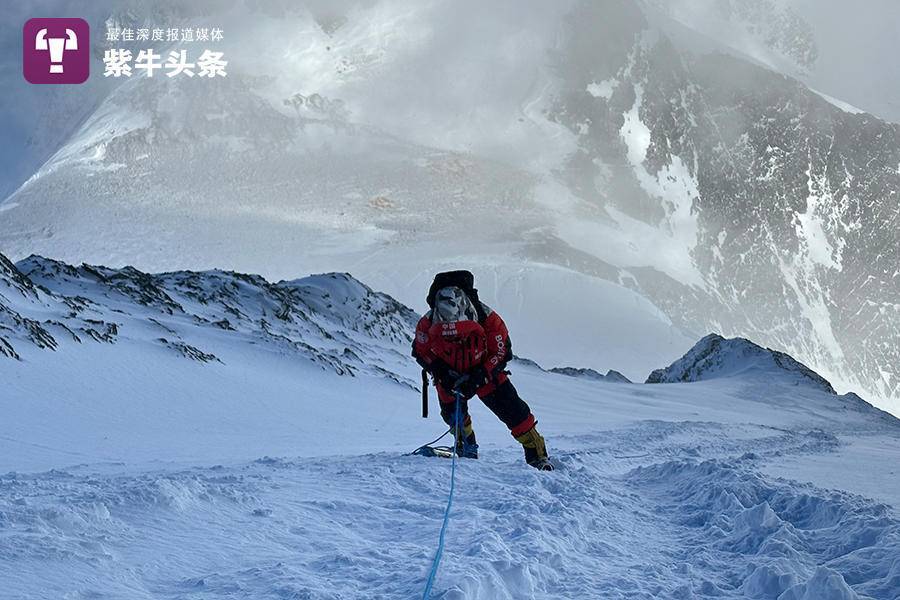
point(470, 383)
point(464, 383)
point(443, 374)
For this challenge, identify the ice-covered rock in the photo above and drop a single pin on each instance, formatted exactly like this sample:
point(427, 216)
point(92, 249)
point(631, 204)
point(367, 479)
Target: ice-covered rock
point(16, 292)
point(12, 282)
point(352, 304)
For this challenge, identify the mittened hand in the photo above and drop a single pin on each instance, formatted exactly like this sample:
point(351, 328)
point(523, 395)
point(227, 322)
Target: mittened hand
point(446, 377)
point(442, 374)
point(449, 380)
point(469, 383)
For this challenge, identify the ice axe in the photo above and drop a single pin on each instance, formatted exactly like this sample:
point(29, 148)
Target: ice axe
point(424, 394)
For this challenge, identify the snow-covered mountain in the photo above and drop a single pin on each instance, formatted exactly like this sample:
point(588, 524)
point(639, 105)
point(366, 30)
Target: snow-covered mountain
point(670, 183)
point(714, 356)
point(333, 321)
point(211, 434)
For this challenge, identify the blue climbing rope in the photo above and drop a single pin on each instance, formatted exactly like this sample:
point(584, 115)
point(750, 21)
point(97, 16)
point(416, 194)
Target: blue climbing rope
point(440, 549)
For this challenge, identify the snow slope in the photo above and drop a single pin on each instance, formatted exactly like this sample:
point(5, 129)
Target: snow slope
point(275, 467)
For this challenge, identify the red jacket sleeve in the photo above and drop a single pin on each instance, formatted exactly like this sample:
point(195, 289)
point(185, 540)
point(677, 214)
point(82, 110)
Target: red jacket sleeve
point(499, 349)
point(421, 342)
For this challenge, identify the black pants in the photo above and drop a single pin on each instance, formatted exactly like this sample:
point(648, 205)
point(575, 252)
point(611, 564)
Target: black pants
point(504, 402)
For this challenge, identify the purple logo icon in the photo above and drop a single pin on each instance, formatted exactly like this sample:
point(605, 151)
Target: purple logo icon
point(56, 50)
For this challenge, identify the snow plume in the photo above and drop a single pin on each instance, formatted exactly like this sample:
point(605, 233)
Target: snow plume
point(769, 31)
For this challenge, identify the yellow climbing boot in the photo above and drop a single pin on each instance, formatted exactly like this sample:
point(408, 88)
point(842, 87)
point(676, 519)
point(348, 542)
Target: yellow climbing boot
point(535, 450)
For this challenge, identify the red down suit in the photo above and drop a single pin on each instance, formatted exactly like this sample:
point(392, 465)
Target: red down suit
point(481, 349)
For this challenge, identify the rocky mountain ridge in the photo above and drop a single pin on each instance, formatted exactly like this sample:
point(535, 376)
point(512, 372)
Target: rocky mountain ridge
point(332, 320)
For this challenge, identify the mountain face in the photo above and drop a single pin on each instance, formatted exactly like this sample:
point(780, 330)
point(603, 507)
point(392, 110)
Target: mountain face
point(616, 148)
point(332, 320)
point(786, 204)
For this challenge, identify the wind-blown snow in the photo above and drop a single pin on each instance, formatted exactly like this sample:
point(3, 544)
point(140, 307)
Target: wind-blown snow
point(844, 106)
